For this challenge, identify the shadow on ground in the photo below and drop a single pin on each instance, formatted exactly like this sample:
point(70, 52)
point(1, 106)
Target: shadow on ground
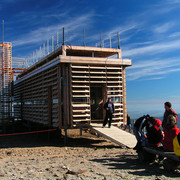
point(53, 138)
point(131, 162)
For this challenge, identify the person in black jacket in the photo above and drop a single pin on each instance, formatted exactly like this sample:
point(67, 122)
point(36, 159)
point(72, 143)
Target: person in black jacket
point(109, 107)
point(138, 129)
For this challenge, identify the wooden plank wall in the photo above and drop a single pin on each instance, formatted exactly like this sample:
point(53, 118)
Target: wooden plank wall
point(83, 76)
point(32, 100)
point(124, 95)
point(60, 96)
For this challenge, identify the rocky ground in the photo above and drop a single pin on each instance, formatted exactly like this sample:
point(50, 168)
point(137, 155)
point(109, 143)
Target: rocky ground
point(40, 156)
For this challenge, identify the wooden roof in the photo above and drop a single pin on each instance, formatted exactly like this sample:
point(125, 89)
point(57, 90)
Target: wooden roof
point(81, 54)
point(91, 51)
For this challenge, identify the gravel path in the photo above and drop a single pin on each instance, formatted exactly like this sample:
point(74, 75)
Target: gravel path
point(86, 157)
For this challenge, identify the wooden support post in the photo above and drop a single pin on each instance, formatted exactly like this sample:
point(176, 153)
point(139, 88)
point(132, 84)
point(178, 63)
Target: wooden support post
point(60, 132)
point(124, 96)
point(119, 55)
point(98, 135)
point(64, 50)
point(65, 137)
point(80, 131)
point(67, 95)
point(59, 86)
point(64, 96)
point(70, 97)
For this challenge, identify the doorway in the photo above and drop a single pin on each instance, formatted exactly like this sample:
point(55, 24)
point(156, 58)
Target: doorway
point(97, 96)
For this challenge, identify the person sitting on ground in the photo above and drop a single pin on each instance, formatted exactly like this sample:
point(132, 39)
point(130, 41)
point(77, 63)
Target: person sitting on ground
point(176, 145)
point(154, 134)
point(170, 132)
point(138, 129)
point(168, 111)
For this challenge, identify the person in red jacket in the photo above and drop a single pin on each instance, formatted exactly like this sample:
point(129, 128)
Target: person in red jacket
point(168, 111)
point(154, 134)
point(170, 132)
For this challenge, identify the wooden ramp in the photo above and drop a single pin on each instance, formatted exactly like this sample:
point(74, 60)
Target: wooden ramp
point(115, 135)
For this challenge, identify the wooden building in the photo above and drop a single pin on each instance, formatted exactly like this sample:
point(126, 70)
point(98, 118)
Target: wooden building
point(70, 86)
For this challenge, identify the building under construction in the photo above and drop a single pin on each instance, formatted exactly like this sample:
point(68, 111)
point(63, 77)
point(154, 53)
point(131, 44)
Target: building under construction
point(69, 87)
point(6, 78)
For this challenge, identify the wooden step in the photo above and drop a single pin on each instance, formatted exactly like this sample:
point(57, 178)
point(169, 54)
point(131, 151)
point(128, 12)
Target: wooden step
point(80, 105)
point(81, 115)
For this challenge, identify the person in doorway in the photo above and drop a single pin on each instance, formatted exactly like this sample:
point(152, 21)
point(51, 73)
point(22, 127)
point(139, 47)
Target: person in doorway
point(128, 123)
point(138, 130)
point(109, 107)
point(168, 111)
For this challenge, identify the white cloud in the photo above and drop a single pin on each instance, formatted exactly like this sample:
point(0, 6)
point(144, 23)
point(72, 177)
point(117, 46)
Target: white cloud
point(44, 33)
point(174, 35)
point(152, 69)
point(156, 63)
point(153, 78)
point(175, 97)
point(147, 101)
point(131, 76)
point(163, 7)
point(122, 29)
point(154, 48)
point(164, 27)
point(173, 1)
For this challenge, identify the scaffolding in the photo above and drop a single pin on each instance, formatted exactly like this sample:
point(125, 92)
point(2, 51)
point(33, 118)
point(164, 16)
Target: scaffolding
point(6, 78)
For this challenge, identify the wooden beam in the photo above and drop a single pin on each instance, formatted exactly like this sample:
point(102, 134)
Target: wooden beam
point(89, 60)
point(59, 96)
point(94, 49)
point(64, 50)
point(169, 155)
point(70, 97)
point(124, 96)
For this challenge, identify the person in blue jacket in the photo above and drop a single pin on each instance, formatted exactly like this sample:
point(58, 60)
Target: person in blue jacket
point(109, 107)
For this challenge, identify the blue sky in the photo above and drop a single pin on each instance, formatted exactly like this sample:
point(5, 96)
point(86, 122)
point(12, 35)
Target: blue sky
point(149, 33)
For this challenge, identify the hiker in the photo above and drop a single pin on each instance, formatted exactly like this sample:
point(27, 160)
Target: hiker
point(128, 123)
point(138, 130)
point(168, 111)
point(176, 145)
point(170, 132)
point(109, 107)
point(154, 134)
